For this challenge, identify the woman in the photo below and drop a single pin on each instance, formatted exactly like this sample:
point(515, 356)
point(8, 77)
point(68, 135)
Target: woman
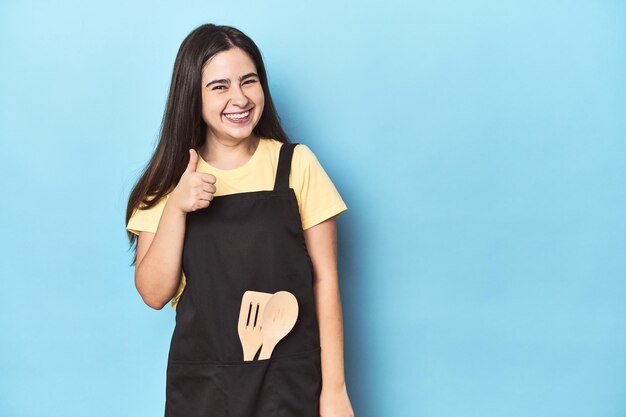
point(228, 204)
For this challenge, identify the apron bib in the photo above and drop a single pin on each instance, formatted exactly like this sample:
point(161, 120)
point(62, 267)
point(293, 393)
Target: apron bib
point(246, 241)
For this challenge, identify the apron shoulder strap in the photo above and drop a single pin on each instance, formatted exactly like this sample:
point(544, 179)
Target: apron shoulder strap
point(284, 166)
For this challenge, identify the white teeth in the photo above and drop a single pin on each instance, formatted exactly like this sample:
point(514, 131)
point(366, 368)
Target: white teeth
point(238, 115)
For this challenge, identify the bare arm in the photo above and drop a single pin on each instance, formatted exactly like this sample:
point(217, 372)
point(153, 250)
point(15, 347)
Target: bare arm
point(159, 258)
point(321, 241)
point(159, 255)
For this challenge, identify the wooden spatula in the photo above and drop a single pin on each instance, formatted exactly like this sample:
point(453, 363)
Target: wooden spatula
point(279, 317)
point(249, 326)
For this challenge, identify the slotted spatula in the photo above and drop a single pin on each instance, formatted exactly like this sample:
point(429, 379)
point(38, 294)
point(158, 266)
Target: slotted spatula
point(279, 317)
point(250, 318)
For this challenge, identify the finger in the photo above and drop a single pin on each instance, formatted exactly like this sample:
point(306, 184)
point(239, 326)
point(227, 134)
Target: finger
point(204, 192)
point(210, 187)
point(202, 201)
point(204, 187)
point(201, 204)
point(193, 161)
point(205, 199)
point(208, 178)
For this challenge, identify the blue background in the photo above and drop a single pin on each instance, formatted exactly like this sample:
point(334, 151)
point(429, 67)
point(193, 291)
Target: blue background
point(479, 146)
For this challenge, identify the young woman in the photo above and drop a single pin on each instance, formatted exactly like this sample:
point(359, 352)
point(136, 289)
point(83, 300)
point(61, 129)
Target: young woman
point(228, 204)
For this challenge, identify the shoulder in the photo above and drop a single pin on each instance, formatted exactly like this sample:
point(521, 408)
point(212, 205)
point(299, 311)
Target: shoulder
point(302, 157)
point(303, 153)
point(274, 146)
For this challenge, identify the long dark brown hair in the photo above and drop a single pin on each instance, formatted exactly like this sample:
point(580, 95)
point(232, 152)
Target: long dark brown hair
point(182, 126)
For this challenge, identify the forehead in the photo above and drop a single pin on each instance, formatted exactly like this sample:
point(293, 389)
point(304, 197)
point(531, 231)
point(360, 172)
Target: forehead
point(226, 64)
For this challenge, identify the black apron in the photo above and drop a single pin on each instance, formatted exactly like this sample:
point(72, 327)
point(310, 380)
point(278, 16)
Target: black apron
point(245, 241)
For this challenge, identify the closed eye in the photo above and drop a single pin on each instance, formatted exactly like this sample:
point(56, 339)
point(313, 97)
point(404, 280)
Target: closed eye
point(219, 87)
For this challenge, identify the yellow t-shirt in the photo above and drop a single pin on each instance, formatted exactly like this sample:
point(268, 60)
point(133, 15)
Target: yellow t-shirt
point(317, 196)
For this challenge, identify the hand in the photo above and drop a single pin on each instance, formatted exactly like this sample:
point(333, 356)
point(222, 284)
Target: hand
point(194, 190)
point(334, 402)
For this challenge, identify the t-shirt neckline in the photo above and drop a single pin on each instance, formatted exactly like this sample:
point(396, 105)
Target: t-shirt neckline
point(235, 172)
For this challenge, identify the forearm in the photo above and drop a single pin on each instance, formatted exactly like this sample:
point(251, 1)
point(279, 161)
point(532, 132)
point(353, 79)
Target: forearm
point(328, 305)
point(158, 274)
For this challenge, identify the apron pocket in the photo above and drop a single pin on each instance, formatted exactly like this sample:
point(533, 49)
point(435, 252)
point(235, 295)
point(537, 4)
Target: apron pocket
point(297, 384)
point(282, 386)
point(249, 390)
point(195, 389)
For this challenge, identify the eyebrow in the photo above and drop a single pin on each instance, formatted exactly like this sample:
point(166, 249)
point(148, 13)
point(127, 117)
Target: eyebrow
point(227, 81)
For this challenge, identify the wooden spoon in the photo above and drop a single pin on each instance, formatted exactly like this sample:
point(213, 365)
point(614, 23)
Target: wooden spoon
point(279, 317)
point(249, 327)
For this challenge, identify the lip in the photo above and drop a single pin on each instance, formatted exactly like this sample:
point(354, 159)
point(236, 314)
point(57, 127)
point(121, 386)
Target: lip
point(237, 112)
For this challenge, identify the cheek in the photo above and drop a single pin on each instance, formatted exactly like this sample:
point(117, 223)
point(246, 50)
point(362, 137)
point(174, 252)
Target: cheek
point(205, 107)
point(206, 114)
point(259, 99)
point(211, 110)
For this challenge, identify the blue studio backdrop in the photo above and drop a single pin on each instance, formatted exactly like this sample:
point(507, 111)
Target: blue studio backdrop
point(480, 147)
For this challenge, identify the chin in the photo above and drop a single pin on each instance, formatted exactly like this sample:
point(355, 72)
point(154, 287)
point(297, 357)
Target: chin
point(241, 134)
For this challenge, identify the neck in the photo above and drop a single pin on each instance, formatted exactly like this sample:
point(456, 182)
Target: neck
point(228, 153)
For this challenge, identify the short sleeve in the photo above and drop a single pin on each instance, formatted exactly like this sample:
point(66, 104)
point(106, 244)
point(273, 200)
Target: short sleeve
point(318, 198)
point(146, 220)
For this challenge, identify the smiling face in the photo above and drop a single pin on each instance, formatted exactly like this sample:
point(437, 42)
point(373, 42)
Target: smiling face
point(232, 95)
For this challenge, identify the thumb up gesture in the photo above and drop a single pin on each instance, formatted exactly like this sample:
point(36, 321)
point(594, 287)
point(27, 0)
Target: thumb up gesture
point(194, 190)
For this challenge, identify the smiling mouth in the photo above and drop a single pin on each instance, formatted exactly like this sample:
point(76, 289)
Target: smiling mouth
point(237, 116)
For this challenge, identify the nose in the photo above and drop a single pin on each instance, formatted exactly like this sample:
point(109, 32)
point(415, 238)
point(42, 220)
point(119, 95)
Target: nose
point(238, 97)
